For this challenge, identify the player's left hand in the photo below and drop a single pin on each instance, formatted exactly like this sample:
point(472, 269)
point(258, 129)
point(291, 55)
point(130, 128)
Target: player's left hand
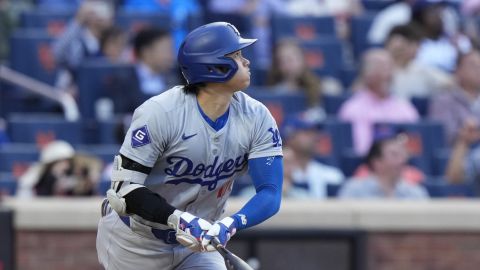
point(223, 230)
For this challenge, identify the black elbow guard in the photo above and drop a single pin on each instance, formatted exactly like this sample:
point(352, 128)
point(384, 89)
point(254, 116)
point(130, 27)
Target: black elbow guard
point(148, 205)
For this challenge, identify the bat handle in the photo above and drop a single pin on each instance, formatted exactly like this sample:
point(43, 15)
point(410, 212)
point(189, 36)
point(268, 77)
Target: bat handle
point(216, 242)
point(218, 246)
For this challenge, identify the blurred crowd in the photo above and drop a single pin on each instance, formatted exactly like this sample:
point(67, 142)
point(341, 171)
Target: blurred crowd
point(359, 64)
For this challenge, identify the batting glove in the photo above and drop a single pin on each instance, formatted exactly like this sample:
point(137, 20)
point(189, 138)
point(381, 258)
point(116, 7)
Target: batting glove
point(189, 229)
point(223, 230)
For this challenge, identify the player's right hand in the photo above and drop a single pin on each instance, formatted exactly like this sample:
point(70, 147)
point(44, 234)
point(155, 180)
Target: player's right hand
point(189, 229)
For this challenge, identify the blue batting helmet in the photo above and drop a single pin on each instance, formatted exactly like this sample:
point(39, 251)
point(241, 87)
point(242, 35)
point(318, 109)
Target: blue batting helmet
point(202, 54)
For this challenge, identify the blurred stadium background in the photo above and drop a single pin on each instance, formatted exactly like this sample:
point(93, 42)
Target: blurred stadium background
point(48, 93)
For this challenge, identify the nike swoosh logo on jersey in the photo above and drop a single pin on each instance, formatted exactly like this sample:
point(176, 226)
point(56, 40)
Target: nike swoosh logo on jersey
point(187, 137)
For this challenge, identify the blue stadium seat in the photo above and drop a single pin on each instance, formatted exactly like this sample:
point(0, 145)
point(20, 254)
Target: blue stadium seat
point(26, 128)
point(242, 22)
point(421, 104)
point(341, 135)
point(349, 162)
point(105, 152)
point(133, 21)
point(280, 105)
point(359, 27)
point(51, 21)
point(259, 76)
point(425, 137)
point(53, 5)
point(421, 163)
point(8, 184)
point(17, 157)
point(332, 104)
point(31, 54)
point(103, 186)
point(439, 188)
point(440, 161)
point(333, 189)
point(347, 75)
point(375, 5)
point(110, 131)
point(302, 28)
point(97, 79)
point(324, 56)
point(328, 160)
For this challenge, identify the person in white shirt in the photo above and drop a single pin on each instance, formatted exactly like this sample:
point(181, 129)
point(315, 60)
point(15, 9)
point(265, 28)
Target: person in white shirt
point(410, 78)
point(301, 137)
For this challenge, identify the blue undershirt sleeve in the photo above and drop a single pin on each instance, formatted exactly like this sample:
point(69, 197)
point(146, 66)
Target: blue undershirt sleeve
point(267, 176)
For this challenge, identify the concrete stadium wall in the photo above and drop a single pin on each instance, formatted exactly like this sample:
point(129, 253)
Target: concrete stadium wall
point(437, 235)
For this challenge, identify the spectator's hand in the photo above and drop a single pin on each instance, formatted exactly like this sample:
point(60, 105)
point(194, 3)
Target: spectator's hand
point(470, 132)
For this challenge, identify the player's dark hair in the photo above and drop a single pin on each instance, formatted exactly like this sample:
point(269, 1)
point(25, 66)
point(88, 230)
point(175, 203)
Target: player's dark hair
point(193, 88)
point(407, 31)
point(146, 38)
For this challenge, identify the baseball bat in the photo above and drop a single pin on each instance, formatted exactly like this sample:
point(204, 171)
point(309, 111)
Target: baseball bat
point(232, 261)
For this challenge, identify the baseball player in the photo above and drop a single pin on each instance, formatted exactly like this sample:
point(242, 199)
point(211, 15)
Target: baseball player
point(181, 154)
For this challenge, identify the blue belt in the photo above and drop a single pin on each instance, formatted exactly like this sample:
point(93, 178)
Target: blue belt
point(167, 236)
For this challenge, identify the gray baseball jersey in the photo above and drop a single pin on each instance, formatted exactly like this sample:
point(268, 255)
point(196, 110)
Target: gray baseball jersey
point(194, 165)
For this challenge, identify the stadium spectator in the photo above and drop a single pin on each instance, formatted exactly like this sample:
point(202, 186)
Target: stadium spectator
point(81, 39)
point(300, 137)
point(471, 7)
point(10, 11)
point(412, 79)
point(464, 163)
point(410, 173)
point(304, 177)
point(155, 57)
point(60, 172)
point(470, 10)
point(386, 159)
point(441, 41)
point(289, 188)
point(456, 108)
point(152, 73)
point(289, 73)
point(396, 14)
point(372, 101)
point(403, 11)
point(114, 44)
